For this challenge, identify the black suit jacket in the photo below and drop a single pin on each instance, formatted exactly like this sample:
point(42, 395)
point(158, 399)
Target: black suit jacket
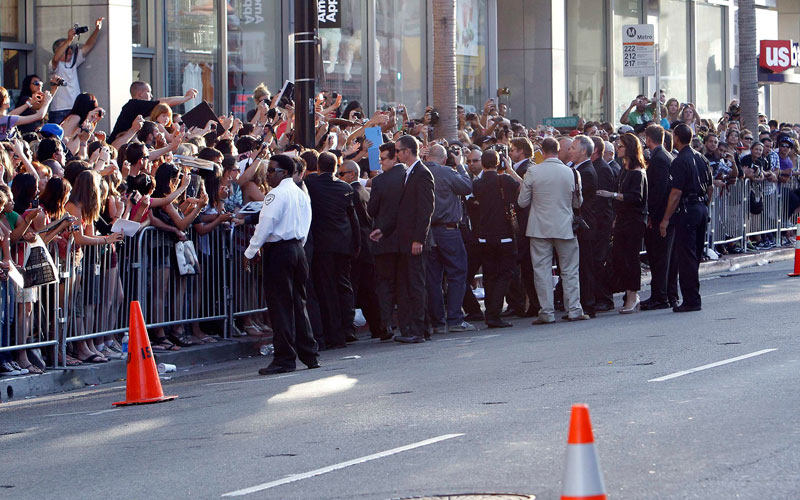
point(602, 208)
point(334, 223)
point(588, 190)
point(415, 208)
point(658, 183)
point(383, 207)
point(361, 200)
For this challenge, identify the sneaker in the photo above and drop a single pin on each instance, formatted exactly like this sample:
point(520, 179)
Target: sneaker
point(463, 327)
point(7, 370)
point(15, 366)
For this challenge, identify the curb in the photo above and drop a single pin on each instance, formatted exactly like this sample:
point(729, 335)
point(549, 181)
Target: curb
point(61, 380)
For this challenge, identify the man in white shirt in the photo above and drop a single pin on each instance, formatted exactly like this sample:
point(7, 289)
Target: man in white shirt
point(65, 62)
point(283, 225)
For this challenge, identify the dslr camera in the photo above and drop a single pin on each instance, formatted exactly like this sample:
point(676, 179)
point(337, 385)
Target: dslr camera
point(79, 30)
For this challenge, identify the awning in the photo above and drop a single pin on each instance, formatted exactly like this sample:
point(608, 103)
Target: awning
point(769, 78)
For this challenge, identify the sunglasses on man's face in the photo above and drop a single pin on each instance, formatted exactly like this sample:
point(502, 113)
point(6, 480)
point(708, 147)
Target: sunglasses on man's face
point(272, 170)
point(341, 174)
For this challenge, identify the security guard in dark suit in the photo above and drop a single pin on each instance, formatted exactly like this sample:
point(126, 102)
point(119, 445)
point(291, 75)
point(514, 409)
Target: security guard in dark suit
point(687, 209)
point(337, 241)
point(383, 208)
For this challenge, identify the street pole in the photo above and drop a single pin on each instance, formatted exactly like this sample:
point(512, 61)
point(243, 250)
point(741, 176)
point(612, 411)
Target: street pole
point(657, 114)
point(306, 27)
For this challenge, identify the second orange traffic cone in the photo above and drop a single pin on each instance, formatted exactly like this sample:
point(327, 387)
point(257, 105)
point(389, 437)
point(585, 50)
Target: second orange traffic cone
point(143, 384)
point(583, 479)
point(797, 250)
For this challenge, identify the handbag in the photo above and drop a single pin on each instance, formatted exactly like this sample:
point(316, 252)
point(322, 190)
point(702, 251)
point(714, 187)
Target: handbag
point(578, 222)
point(39, 268)
point(186, 257)
point(756, 203)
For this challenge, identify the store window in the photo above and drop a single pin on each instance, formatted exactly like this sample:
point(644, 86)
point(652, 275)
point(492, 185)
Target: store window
point(673, 35)
point(471, 53)
point(586, 53)
point(254, 51)
point(14, 52)
point(344, 54)
point(143, 54)
point(626, 88)
point(191, 52)
point(710, 63)
point(401, 53)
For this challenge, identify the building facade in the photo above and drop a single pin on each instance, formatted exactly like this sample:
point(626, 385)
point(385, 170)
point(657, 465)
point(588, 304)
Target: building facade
point(558, 57)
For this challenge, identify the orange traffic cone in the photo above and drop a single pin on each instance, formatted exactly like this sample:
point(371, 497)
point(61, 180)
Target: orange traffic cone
point(582, 477)
point(797, 250)
point(143, 384)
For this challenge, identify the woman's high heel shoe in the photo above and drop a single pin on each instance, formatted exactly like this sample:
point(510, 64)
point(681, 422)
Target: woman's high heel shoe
point(633, 309)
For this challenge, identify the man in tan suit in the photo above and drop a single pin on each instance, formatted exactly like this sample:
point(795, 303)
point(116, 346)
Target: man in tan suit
point(549, 188)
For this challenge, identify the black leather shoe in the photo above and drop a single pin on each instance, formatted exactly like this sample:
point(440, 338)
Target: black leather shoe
point(350, 339)
point(652, 306)
point(603, 307)
point(272, 370)
point(498, 324)
point(507, 312)
point(387, 335)
point(684, 308)
point(409, 340)
point(530, 313)
point(313, 365)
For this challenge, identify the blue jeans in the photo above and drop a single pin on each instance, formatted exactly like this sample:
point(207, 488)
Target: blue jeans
point(448, 258)
point(7, 305)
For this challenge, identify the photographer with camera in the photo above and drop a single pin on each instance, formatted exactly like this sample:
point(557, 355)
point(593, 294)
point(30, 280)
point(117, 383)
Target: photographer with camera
point(67, 57)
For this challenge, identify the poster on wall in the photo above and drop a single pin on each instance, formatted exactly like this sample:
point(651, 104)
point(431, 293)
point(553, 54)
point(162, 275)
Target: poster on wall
point(466, 28)
point(328, 14)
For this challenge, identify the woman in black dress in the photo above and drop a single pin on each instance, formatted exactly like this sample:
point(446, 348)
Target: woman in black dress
point(630, 220)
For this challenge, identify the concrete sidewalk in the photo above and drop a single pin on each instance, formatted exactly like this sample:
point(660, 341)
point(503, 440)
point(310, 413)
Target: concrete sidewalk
point(73, 378)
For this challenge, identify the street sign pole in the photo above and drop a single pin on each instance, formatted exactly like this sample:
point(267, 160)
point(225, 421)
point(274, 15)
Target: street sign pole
point(657, 114)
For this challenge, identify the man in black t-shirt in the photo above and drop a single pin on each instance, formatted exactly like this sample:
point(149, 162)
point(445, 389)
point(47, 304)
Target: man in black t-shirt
point(142, 104)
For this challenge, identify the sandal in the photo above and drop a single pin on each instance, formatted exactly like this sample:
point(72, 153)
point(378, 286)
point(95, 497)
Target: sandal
point(94, 358)
point(33, 369)
point(163, 344)
point(206, 339)
point(182, 339)
point(73, 361)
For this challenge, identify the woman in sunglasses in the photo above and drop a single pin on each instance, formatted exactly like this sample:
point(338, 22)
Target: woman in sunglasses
point(32, 87)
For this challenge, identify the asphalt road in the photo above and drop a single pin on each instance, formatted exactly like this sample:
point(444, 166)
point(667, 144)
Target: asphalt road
point(481, 412)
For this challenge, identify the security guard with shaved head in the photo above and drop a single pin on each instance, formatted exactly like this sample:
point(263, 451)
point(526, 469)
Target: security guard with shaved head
point(282, 230)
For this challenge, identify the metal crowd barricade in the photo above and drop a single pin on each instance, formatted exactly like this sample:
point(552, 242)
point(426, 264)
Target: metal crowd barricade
point(727, 214)
point(788, 196)
point(169, 299)
point(765, 222)
point(28, 316)
point(94, 287)
point(247, 288)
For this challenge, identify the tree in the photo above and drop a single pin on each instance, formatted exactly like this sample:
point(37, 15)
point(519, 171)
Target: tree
point(444, 68)
point(748, 64)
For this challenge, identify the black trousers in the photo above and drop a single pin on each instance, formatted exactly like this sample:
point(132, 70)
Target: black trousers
point(411, 294)
point(601, 256)
point(498, 271)
point(659, 253)
point(362, 278)
point(587, 275)
point(690, 226)
point(470, 303)
point(312, 303)
point(526, 273)
point(335, 294)
point(286, 272)
point(386, 285)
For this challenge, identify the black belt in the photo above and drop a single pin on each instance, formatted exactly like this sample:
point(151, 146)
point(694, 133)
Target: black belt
point(279, 242)
point(446, 225)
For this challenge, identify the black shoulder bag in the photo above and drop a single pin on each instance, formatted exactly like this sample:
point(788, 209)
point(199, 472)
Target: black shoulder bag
point(511, 213)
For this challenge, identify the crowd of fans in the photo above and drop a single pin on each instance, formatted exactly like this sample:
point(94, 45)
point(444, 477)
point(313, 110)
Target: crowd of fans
point(153, 169)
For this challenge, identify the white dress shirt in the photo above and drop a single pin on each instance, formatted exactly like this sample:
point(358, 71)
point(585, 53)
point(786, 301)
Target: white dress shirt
point(286, 215)
point(410, 169)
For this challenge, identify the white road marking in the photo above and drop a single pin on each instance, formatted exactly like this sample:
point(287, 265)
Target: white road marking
point(342, 465)
point(104, 411)
point(711, 365)
point(262, 379)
